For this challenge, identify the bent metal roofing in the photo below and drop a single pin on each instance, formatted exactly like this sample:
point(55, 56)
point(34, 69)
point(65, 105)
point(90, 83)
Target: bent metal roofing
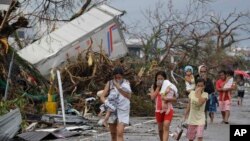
point(49, 45)
point(53, 50)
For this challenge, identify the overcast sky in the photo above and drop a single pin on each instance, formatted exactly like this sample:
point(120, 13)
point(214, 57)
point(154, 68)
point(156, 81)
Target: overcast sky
point(134, 8)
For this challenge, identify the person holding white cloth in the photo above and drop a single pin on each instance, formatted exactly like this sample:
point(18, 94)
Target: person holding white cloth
point(120, 118)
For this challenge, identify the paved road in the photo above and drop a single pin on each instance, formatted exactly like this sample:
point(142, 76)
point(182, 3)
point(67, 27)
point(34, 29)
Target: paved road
point(145, 129)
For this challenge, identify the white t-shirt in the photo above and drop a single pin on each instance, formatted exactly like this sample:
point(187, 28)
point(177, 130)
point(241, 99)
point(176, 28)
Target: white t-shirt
point(123, 102)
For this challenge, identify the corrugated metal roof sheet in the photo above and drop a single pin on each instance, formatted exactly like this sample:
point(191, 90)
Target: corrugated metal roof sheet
point(41, 135)
point(36, 136)
point(70, 119)
point(10, 124)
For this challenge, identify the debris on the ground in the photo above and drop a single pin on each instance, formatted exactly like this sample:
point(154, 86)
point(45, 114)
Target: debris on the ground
point(70, 119)
point(100, 122)
point(69, 128)
point(88, 105)
point(50, 105)
point(31, 127)
point(71, 111)
point(36, 136)
point(10, 124)
point(150, 130)
point(41, 135)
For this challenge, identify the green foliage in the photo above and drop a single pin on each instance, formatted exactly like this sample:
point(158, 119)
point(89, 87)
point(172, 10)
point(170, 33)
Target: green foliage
point(142, 106)
point(19, 102)
point(6, 106)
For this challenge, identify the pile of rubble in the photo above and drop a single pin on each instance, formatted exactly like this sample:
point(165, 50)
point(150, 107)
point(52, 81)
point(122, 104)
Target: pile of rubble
point(28, 91)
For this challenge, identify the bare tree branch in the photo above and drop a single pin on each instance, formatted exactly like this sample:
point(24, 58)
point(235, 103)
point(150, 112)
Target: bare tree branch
point(84, 7)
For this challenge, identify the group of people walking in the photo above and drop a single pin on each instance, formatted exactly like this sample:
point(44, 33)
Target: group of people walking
point(203, 97)
point(200, 91)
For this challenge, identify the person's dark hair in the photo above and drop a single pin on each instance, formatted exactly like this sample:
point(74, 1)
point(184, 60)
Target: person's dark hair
point(230, 72)
point(118, 70)
point(163, 74)
point(222, 71)
point(200, 80)
point(240, 76)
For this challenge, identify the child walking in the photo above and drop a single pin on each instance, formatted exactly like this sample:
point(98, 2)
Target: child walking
point(194, 113)
point(213, 103)
point(240, 89)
